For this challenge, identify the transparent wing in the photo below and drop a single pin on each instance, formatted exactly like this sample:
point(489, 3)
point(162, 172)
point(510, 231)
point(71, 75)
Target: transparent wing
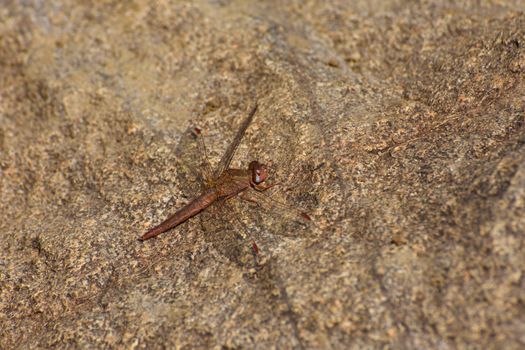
point(192, 172)
point(284, 219)
point(226, 233)
point(205, 169)
point(193, 160)
point(228, 155)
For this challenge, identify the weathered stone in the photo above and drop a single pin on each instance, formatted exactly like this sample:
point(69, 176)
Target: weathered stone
point(397, 125)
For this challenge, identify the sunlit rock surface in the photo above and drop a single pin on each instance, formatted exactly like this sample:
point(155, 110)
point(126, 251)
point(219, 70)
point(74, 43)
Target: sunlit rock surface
point(398, 126)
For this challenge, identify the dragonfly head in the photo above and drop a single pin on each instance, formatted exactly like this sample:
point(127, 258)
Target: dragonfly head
point(259, 172)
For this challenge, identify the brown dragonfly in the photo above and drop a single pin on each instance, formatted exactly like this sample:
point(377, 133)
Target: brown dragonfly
point(225, 183)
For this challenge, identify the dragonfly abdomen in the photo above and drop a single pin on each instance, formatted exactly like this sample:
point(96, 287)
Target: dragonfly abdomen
point(192, 208)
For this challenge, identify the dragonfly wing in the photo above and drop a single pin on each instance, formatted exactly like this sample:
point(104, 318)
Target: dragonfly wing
point(286, 219)
point(230, 151)
point(205, 168)
point(227, 234)
point(193, 164)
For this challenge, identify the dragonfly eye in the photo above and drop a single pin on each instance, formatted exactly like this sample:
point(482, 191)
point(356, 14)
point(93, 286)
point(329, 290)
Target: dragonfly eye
point(259, 172)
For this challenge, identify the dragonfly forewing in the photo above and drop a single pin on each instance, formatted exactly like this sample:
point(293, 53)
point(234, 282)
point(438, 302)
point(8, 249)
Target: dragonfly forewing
point(226, 159)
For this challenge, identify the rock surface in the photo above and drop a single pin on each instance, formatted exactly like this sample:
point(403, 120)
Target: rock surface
point(397, 125)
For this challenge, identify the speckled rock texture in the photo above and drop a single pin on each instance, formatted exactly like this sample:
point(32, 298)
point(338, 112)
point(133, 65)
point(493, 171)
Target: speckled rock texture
point(397, 125)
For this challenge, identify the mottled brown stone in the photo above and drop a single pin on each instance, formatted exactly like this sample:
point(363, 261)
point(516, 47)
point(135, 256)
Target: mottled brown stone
point(397, 125)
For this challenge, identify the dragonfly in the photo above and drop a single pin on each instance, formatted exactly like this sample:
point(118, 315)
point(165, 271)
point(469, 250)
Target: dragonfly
point(226, 183)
